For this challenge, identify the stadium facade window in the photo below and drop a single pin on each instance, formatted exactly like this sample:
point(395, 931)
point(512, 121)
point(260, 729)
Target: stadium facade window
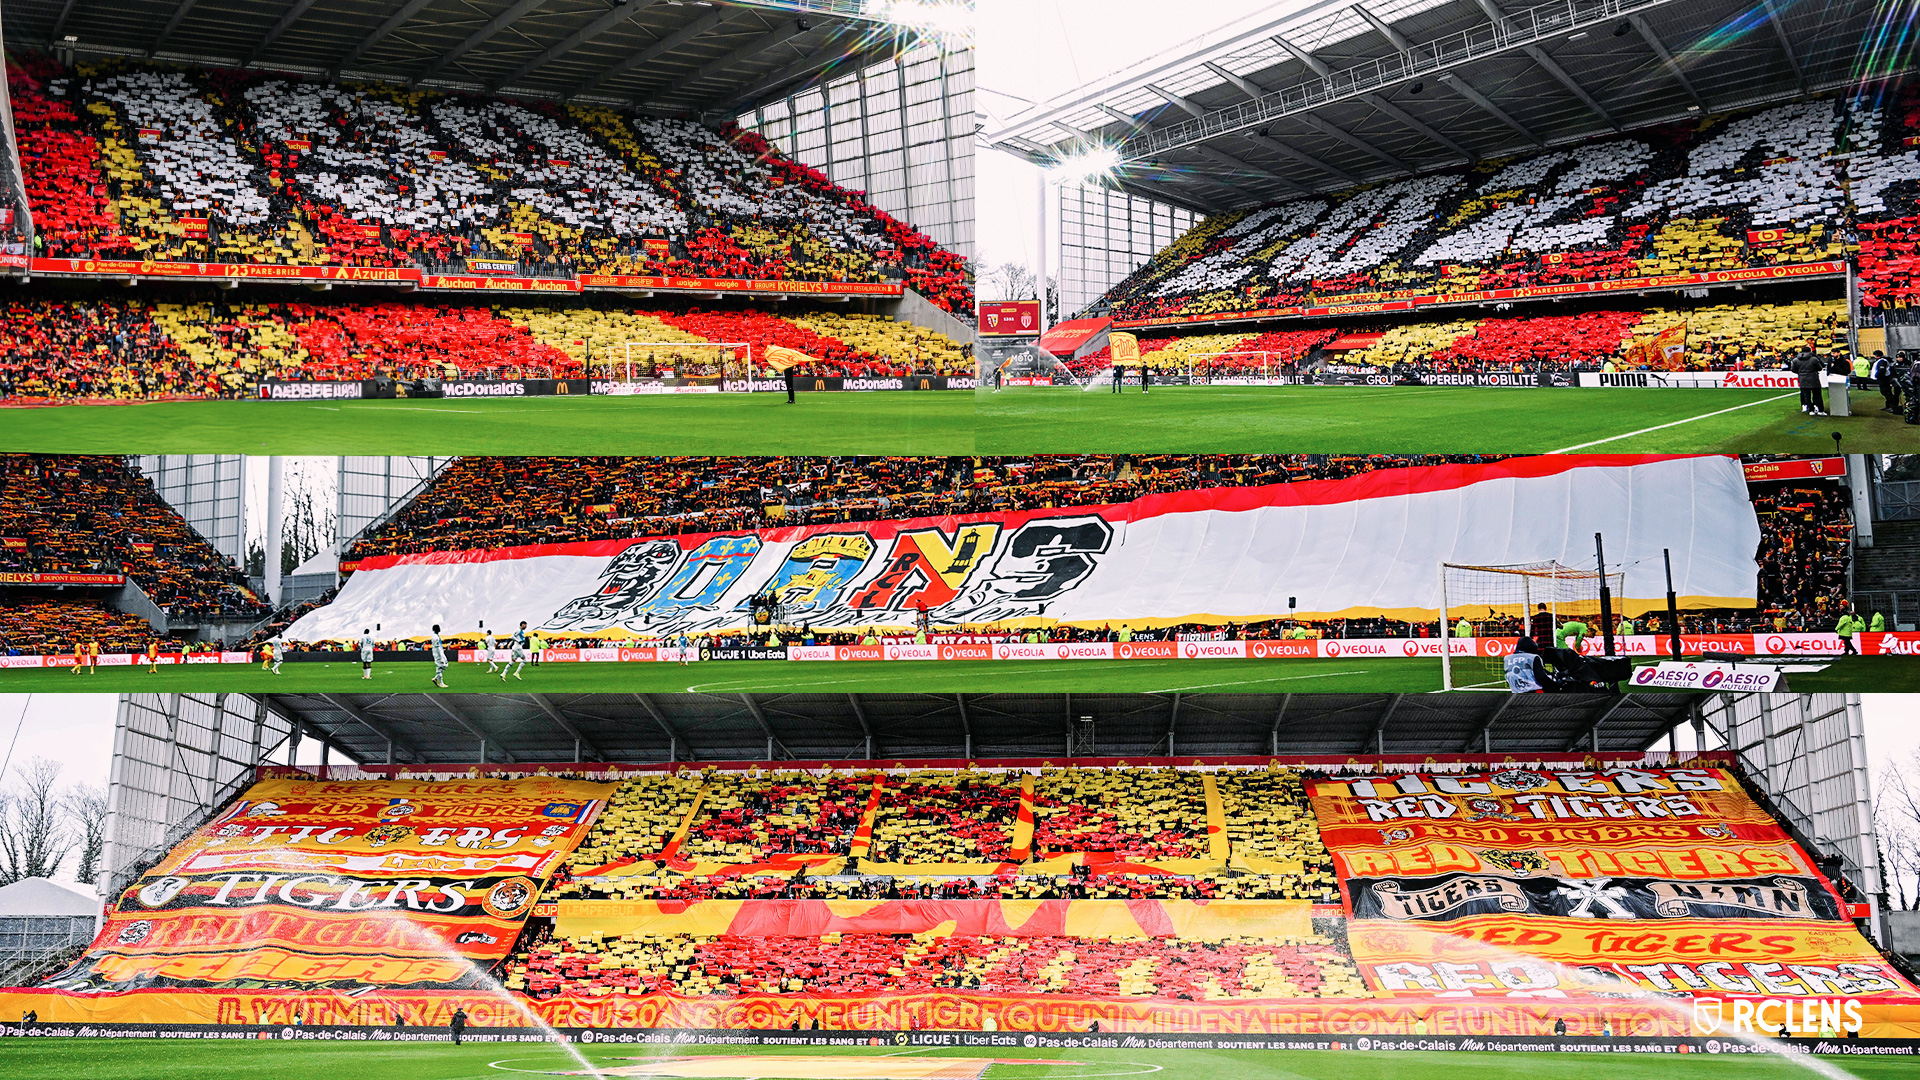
point(177, 758)
point(209, 490)
point(371, 488)
point(900, 131)
point(1106, 235)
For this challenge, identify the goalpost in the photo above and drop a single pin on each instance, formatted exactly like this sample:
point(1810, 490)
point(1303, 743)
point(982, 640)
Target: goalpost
point(1202, 364)
point(1498, 601)
point(636, 361)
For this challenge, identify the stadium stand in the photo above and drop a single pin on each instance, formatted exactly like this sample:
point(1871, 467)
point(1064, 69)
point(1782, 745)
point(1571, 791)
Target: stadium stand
point(1288, 859)
point(698, 966)
point(156, 163)
point(31, 625)
point(98, 514)
point(933, 817)
point(1134, 816)
point(1744, 190)
point(125, 350)
point(1886, 189)
point(480, 503)
point(1709, 337)
point(502, 502)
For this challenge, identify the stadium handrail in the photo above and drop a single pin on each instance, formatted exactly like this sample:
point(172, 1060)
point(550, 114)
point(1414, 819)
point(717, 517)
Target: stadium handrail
point(117, 878)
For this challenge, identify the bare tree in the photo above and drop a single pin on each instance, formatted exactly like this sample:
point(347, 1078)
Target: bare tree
point(1010, 281)
point(1896, 822)
point(34, 837)
point(86, 809)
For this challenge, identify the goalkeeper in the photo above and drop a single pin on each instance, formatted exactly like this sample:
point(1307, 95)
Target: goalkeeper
point(1572, 634)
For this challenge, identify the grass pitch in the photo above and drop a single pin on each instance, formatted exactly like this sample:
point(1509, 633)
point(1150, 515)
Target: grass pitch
point(1173, 419)
point(1425, 420)
point(904, 422)
point(1879, 674)
point(148, 1059)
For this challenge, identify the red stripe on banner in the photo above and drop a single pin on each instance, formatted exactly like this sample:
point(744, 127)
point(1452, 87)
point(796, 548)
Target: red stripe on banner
point(1381, 484)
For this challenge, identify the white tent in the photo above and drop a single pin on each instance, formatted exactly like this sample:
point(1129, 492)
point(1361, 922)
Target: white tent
point(40, 898)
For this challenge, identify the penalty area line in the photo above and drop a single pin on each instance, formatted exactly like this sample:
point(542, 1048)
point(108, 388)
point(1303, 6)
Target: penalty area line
point(1676, 423)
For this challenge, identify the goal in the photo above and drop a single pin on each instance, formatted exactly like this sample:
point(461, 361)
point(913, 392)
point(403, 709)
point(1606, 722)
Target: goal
point(1496, 602)
point(1229, 368)
point(643, 361)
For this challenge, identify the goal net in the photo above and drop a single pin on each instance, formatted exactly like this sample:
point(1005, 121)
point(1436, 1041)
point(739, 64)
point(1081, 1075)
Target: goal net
point(638, 361)
point(1509, 602)
point(1235, 366)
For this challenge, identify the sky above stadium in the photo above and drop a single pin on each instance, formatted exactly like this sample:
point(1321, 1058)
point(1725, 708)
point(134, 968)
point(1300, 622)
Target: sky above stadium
point(76, 730)
point(1034, 50)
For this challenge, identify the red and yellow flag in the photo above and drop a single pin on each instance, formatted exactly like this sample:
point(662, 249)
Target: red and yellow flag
point(780, 358)
point(1124, 348)
point(1670, 347)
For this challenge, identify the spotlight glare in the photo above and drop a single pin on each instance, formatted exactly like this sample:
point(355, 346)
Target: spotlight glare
point(1091, 165)
point(947, 20)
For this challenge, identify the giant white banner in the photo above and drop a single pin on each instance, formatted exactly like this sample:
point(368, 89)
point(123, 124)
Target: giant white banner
point(1368, 545)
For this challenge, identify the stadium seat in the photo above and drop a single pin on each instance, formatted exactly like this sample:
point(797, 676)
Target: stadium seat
point(1758, 188)
point(241, 167)
point(97, 514)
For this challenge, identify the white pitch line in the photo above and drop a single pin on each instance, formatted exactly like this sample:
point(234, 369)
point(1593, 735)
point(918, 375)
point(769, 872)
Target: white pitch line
point(1245, 682)
point(1676, 423)
point(414, 408)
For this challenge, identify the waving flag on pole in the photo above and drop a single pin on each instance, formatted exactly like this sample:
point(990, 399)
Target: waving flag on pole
point(1124, 348)
point(780, 358)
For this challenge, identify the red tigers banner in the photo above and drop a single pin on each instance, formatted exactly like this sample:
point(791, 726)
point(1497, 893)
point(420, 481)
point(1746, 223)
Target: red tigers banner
point(1601, 880)
point(392, 883)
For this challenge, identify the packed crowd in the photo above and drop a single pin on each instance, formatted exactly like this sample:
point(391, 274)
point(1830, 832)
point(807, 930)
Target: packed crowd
point(223, 347)
point(748, 818)
point(932, 817)
point(490, 502)
point(1717, 337)
point(99, 515)
point(147, 162)
point(1806, 547)
point(726, 966)
point(717, 835)
point(1082, 884)
point(1887, 188)
point(1279, 352)
point(1761, 188)
point(1132, 815)
point(32, 625)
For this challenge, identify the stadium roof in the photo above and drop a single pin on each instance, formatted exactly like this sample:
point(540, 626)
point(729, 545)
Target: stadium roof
point(641, 728)
point(1338, 93)
point(720, 57)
